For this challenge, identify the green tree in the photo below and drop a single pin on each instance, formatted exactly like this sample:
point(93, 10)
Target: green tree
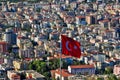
point(108, 70)
point(100, 78)
point(47, 74)
point(39, 66)
point(38, 69)
point(112, 77)
point(53, 79)
point(76, 62)
point(54, 64)
point(64, 64)
point(44, 68)
point(31, 66)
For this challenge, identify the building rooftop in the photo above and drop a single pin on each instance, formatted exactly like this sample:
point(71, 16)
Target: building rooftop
point(82, 66)
point(36, 74)
point(64, 72)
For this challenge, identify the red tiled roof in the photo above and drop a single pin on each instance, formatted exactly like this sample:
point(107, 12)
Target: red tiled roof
point(82, 66)
point(58, 56)
point(84, 55)
point(63, 56)
point(28, 59)
point(65, 73)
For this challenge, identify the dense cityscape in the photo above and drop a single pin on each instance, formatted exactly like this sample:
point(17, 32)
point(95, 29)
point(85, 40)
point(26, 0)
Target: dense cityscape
point(30, 39)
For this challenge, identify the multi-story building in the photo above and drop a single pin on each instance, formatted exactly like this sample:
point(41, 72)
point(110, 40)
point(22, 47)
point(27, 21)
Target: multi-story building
point(91, 19)
point(82, 69)
point(26, 53)
point(105, 23)
point(9, 36)
point(33, 75)
point(29, 75)
point(20, 65)
point(12, 75)
point(99, 57)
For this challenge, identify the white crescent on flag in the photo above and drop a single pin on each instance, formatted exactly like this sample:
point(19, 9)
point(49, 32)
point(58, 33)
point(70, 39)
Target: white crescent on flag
point(70, 47)
point(67, 43)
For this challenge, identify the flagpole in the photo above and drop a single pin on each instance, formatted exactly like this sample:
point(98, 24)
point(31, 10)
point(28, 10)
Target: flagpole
point(65, 48)
point(60, 60)
point(48, 56)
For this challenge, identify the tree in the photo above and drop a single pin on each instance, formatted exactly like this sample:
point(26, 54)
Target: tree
point(54, 64)
point(44, 67)
point(76, 62)
point(47, 74)
point(31, 66)
point(53, 79)
point(112, 77)
point(64, 64)
point(100, 78)
point(108, 70)
point(41, 67)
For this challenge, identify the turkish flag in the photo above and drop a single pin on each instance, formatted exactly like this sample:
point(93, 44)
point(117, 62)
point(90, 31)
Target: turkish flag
point(70, 47)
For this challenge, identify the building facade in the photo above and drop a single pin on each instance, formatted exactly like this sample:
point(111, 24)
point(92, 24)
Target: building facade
point(82, 69)
point(9, 36)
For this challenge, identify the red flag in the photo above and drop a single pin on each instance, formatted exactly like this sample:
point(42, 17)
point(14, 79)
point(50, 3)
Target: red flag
point(70, 47)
